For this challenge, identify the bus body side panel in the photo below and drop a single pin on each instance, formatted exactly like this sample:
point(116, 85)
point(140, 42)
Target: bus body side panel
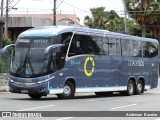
point(67, 73)
point(155, 72)
point(124, 73)
point(135, 68)
point(54, 86)
point(105, 76)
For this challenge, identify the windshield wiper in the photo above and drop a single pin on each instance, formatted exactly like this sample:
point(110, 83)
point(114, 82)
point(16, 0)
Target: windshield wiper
point(23, 65)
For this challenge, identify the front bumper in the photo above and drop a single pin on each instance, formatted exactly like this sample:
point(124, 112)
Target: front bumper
point(41, 89)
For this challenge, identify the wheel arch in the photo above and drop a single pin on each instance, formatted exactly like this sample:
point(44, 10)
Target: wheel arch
point(142, 79)
point(72, 80)
point(133, 79)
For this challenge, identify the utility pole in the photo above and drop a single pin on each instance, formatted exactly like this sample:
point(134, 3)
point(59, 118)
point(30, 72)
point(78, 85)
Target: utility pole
point(125, 22)
point(6, 20)
point(125, 18)
point(2, 1)
point(54, 12)
point(1, 25)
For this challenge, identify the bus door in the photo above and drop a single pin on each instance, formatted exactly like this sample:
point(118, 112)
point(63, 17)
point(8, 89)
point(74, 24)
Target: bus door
point(82, 59)
point(76, 57)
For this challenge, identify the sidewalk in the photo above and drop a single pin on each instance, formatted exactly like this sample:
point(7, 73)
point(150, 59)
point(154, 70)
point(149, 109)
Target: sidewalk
point(4, 89)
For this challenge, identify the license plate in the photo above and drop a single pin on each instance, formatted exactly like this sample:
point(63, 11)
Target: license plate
point(24, 91)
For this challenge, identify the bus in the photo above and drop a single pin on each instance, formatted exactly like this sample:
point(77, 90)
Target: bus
point(64, 60)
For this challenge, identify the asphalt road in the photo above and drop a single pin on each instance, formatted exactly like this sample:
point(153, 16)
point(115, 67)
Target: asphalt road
point(148, 101)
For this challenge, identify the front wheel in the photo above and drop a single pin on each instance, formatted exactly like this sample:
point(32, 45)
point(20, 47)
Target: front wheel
point(35, 96)
point(68, 91)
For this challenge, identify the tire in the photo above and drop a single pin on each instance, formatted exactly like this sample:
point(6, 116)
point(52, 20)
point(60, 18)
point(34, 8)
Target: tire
point(68, 92)
point(35, 96)
point(139, 87)
point(130, 88)
point(103, 94)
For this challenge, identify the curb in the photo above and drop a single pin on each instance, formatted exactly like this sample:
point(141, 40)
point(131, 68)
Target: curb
point(4, 89)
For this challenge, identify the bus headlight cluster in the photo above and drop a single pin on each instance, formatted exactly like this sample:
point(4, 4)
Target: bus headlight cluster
point(12, 81)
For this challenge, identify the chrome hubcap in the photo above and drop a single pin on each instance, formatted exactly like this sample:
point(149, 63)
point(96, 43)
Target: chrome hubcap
point(139, 87)
point(130, 88)
point(67, 90)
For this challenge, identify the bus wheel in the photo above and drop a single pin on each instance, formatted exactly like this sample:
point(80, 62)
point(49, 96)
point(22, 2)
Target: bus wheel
point(130, 88)
point(35, 96)
point(68, 92)
point(139, 88)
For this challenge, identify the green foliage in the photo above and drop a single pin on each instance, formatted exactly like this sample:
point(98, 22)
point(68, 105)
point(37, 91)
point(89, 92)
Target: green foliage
point(6, 41)
point(1, 65)
point(6, 61)
point(147, 14)
point(111, 21)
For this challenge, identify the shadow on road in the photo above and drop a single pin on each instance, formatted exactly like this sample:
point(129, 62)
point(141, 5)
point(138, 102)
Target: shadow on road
point(89, 96)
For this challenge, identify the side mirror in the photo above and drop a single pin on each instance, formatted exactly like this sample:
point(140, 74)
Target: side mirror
point(49, 48)
point(5, 49)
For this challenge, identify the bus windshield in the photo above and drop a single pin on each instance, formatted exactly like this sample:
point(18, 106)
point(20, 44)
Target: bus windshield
point(28, 58)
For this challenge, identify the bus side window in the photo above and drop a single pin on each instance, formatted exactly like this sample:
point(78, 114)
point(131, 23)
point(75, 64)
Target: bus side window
point(135, 48)
point(95, 45)
point(112, 46)
point(75, 46)
point(125, 47)
point(118, 47)
point(66, 37)
point(150, 49)
point(105, 46)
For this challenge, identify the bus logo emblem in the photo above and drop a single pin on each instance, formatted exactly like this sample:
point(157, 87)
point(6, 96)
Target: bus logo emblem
point(85, 66)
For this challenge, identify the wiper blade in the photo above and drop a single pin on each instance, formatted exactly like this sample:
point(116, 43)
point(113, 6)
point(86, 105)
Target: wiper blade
point(22, 65)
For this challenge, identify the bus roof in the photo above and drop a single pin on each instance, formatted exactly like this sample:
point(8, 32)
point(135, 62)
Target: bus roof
point(51, 31)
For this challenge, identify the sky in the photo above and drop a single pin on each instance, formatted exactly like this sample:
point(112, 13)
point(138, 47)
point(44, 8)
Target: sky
point(79, 7)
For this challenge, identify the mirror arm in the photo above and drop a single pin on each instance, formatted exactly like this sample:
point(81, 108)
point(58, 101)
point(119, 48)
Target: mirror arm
point(49, 48)
point(4, 50)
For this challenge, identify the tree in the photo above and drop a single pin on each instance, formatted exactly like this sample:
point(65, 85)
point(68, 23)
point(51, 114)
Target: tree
point(146, 13)
point(110, 20)
point(98, 19)
point(102, 19)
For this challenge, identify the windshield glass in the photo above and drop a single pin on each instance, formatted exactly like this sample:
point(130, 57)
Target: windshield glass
point(28, 57)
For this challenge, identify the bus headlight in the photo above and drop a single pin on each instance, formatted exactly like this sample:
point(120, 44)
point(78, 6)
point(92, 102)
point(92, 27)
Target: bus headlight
point(12, 81)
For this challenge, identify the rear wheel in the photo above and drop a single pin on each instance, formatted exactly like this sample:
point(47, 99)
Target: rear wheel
point(139, 88)
point(130, 88)
point(35, 96)
point(68, 91)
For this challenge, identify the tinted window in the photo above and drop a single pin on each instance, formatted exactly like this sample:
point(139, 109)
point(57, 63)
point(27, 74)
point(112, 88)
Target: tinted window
point(95, 45)
point(112, 46)
point(66, 37)
point(118, 47)
point(83, 44)
point(76, 46)
point(135, 48)
point(150, 49)
point(125, 47)
point(105, 46)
